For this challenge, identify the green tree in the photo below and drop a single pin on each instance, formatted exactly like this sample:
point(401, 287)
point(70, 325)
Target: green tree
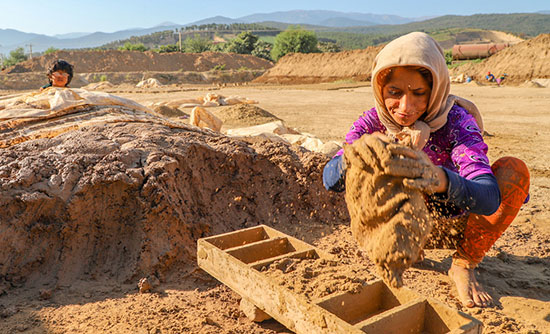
point(243, 43)
point(294, 40)
point(49, 50)
point(328, 47)
point(197, 44)
point(449, 57)
point(16, 56)
point(262, 49)
point(218, 47)
point(168, 48)
point(133, 47)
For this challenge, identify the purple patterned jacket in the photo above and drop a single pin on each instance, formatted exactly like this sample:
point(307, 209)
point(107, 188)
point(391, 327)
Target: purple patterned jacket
point(457, 146)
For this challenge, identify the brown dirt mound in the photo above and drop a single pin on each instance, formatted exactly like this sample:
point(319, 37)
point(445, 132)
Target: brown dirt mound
point(322, 67)
point(532, 84)
point(474, 83)
point(241, 115)
point(33, 80)
point(132, 61)
point(127, 200)
point(522, 62)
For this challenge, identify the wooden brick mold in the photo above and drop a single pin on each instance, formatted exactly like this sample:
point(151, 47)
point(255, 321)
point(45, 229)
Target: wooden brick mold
point(235, 259)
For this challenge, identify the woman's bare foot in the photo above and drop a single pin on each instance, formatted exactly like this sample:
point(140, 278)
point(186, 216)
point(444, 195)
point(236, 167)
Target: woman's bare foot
point(470, 292)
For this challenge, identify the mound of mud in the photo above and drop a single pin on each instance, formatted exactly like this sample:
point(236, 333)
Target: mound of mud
point(521, 62)
point(322, 67)
point(130, 199)
point(135, 61)
point(99, 85)
point(474, 83)
point(388, 220)
point(149, 83)
point(532, 84)
point(318, 278)
point(242, 115)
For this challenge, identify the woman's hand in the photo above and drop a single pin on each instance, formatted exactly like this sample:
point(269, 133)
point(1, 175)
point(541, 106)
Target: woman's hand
point(378, 151)
point(417, 169)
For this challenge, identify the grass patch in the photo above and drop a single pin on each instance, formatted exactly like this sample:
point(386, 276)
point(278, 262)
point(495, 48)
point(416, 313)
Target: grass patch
point(462, 62)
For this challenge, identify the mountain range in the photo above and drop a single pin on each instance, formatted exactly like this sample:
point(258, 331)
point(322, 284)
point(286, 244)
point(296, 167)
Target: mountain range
point(312, 19)
point(11, 39)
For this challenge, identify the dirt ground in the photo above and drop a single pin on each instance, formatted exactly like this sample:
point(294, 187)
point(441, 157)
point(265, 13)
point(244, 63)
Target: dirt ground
point(516, 271)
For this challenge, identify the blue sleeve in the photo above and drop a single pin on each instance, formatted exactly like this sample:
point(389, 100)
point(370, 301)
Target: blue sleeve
point(479, 195)
point(334, 174)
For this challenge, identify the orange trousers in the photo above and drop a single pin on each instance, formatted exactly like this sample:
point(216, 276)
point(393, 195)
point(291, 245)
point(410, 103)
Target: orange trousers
point(481, 232)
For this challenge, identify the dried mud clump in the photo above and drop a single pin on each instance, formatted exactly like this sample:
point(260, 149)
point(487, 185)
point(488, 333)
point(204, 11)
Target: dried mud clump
point(126, 200)
point(242, 115)
point(389, 221)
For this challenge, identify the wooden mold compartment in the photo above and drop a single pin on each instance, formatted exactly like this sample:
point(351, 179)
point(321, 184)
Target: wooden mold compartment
point(380, 309)
point(235, 259)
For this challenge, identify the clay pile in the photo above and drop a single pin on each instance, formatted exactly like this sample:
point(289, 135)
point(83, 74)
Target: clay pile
point(241, 115)
point(127, 197)
point(318, 278)
point(389, 221)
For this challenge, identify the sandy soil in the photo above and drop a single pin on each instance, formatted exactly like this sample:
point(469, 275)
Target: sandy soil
point(516, 271)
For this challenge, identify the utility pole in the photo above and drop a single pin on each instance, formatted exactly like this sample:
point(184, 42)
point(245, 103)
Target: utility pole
point(30, 50)
point(180, 39)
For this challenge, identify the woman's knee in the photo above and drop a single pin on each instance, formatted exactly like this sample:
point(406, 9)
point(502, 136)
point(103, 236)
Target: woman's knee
point(513, 180)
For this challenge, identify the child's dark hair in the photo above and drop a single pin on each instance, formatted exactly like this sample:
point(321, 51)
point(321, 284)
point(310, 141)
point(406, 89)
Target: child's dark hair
point(61, 65)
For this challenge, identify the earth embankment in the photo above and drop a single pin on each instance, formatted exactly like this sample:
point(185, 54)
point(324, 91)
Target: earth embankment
point(135, 61)
point(522, 62)
point(131, 67)
point(298, 68)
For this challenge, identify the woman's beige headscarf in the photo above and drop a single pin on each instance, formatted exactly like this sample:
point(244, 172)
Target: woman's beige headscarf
point(419, 49)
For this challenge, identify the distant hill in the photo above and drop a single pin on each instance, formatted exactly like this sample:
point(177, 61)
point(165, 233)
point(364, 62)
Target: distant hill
point(284, 26)
point(325, 17)
point(344, 22)
point(11, 39)
point(211, 31)
point(529, 25)
point(215, 19)
point(71, 35)
point(11, 36)
point(329, 25)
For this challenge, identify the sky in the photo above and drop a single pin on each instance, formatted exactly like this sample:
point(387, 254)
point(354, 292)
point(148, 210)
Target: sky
point(52, 17)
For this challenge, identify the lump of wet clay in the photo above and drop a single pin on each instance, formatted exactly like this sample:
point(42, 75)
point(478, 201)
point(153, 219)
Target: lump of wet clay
point(389, 221)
